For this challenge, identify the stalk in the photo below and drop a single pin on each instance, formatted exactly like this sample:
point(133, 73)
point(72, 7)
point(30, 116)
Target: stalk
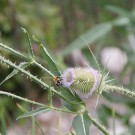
point(120, 90)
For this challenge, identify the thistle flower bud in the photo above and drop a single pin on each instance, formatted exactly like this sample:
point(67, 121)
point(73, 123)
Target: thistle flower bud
point(83, 81)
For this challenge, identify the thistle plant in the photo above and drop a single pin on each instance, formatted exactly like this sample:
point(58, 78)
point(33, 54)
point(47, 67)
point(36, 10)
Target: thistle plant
point(83, 81)
point(74, 84)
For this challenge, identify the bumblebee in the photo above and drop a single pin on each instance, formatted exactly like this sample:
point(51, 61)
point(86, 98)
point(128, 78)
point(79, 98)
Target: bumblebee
point(57, 80)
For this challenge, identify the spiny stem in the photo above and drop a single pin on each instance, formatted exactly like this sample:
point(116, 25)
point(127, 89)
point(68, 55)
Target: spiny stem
point(120, 90)
point(35, 103)
point(99, 126)
point(17, 53)
point(34, 78)
point(21, 98)
point(13, 51)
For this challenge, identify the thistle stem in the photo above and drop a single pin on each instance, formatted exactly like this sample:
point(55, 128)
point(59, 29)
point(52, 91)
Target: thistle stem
point(120, 90)
point(35, 103)
point(21, 98)
point(99, 126)
point(37, 80)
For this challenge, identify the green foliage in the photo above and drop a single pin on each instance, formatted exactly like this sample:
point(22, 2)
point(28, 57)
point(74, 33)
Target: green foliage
point(30, 50)
point(81, 124)
point(77, 106)
point(59, 23)
point(47, 57)
point(54, 70)
point(71, 101)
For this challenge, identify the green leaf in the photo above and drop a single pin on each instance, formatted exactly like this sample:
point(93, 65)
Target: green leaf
point(78, 105)
point(34, 112)
point(90, 36)
point(30, 50)
point(15, 71)
point(47, 57)
point(81, 124)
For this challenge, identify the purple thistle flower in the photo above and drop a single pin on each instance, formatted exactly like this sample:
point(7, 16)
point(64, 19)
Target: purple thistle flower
point(68, 77)
point(83, 81)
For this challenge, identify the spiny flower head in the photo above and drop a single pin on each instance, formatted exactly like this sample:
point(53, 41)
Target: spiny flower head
point(83, 81)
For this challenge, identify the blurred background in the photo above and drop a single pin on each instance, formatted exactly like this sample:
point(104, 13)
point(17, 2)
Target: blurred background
point(108, 26)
